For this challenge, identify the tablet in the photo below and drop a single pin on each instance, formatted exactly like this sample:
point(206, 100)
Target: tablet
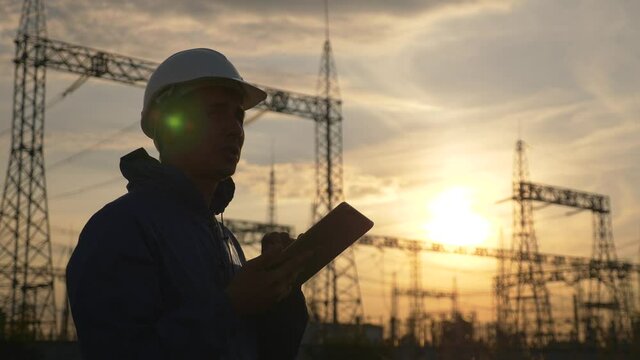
point(328, 238)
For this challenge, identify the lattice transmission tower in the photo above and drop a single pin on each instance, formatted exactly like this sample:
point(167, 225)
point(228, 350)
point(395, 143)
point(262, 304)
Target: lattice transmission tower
point(606, 312)
point(524, 309)
point(271, 211)
point(609, 304)
point(335, 291)
point(26, 275)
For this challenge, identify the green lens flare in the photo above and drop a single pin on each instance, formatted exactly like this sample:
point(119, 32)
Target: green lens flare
point(175, 123)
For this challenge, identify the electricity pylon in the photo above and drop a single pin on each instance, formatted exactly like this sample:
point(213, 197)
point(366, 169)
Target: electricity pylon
point(26, 276)
point(335, 291)
point(271, 211)
point(525, 308)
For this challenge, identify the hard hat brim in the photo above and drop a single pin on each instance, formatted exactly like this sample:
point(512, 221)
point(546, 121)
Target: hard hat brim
point(255, 95)
point(251, 95)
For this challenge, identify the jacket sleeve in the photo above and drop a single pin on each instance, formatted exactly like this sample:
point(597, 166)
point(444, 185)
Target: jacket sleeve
point(117, 302)
point(281, 328)
point(113, 290)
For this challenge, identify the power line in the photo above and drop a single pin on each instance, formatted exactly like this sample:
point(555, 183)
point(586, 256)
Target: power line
point(94, 146)
point(73, 87)
point(628, 244)
point(90, 148)
point(65, 231)
point(87, 188)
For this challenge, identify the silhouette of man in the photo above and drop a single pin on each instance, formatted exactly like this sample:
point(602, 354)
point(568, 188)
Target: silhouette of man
point(154, 274)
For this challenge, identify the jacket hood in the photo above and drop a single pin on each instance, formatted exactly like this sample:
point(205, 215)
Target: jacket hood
point(145, 172)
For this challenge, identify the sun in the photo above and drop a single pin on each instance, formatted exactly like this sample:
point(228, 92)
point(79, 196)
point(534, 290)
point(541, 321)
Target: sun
point(453, 220)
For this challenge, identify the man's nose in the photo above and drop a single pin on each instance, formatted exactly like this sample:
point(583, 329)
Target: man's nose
point(233, 127)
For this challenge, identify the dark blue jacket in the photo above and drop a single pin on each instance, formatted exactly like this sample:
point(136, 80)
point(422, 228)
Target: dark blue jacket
point(146, 279)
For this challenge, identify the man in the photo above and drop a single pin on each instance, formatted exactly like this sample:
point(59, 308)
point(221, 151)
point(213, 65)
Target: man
point(154, 274)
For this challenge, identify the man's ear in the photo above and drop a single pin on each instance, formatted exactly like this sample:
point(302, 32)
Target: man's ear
point(152, 120)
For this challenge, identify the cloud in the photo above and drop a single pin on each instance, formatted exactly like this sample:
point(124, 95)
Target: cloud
point(293, 181)
point(242, 28)
point(433, 93)
point(118, 140)
point(296, 181)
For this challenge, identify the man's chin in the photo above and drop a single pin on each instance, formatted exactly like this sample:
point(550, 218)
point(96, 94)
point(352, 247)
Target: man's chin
point(226, 172)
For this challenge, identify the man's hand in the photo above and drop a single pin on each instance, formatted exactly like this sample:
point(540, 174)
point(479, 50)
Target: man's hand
point(267, 279)
point(275, 241)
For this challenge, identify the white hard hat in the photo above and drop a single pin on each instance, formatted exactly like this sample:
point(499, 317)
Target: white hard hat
point(195, 66)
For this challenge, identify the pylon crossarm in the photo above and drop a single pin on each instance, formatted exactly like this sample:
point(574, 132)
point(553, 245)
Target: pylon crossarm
point(287, 102)
point(82, 60)
point(250, 233)
point(553, 260)
point(566, 197)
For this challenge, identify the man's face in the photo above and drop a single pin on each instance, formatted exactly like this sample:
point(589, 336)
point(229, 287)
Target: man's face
point(205, 137)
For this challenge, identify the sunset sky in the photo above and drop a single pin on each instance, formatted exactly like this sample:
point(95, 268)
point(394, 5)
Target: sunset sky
point(433, 93)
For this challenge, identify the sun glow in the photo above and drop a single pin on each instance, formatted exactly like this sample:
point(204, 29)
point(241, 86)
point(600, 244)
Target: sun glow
point(453, 220)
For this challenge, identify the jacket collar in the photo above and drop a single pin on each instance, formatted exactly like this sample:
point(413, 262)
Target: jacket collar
point(145, 172)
